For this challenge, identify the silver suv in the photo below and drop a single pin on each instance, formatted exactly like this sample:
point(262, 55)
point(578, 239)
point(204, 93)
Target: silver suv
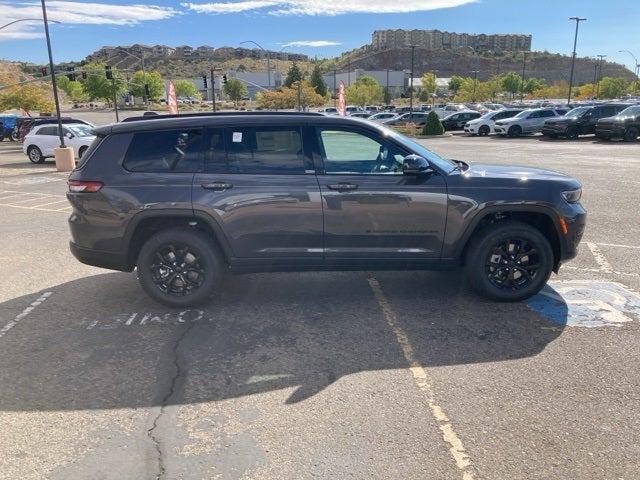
point(526, 122)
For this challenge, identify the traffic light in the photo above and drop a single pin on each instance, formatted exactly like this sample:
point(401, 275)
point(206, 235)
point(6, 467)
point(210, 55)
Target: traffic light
point(107, 72)
point(204, 81)
point(84, 75)
point(71, 75)
point(224, 78)
point(43, 71)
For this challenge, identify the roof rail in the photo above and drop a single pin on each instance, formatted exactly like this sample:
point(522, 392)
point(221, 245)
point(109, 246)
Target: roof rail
point(219, 114)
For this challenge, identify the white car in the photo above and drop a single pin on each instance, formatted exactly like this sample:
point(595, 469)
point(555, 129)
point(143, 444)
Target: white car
point(450, 109)
point(378, 117)
point(526, 122)
point(40, 142)
point(485, 124)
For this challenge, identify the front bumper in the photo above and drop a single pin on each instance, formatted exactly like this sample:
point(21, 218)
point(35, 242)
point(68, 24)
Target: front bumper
point(575, 219)
point(554, 129)
point(610, 131)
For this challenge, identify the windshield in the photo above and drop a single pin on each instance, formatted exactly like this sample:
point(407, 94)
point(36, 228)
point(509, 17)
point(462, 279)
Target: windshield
point(629, 111)
point(523, 114)
point(81, 131)
point(577, 112)
point(442, 163)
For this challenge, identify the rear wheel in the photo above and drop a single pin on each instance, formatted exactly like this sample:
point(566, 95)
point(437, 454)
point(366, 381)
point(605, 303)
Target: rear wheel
point(515, 131)
point(509, 262)
point(15, 136)
point(631, 134)
point(35, 154)
point(484, 130)
point(179, 267)
point(81, 151)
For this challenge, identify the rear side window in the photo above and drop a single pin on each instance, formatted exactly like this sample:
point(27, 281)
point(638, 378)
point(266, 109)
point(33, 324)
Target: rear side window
point(178, 151)
point(264, 150)
point(53, 130)
point(92, 148)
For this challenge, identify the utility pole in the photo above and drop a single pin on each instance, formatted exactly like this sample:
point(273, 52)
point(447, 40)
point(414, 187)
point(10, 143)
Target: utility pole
point(413, 49)
point(573, 57)
point(601, 57)
point(213, 89)
point(335, 89)
point(475, 83)
point(524, 69)
point(53, 74)
point(388, 99)
point(595, 79)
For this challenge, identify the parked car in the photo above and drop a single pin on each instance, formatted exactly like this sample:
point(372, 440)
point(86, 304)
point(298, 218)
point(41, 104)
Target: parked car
point(39, 143)
point(483, 125)
point(360, 114)
point(304, 191)
point(378, 117)
point(419, 118)
point(329, 110)
point(449, 109)
point(349, 109)
point(625, 125)
point(580, 120)
point(31, 122)
point(457, 121)
point(526, 122)
point(7, 124)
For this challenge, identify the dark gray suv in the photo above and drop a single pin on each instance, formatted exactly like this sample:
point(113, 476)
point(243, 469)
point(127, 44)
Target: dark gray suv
point(187, 199)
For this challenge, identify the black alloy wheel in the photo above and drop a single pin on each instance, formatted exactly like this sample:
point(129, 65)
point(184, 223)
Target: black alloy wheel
point(484, 130)
point(512, 264)
point(631, 134)
point(572, 133)
point(177, 270)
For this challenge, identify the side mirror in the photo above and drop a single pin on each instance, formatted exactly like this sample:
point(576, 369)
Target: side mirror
point(415, 165)
point(69, 135)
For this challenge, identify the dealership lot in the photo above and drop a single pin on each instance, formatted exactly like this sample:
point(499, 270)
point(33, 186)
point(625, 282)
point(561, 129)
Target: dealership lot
point(324, 375)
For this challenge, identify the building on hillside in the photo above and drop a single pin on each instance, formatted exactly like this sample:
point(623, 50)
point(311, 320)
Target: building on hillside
point(438, 40)
point(162, 51)
point(184, 51)
point(394, 80)
point(204, 51)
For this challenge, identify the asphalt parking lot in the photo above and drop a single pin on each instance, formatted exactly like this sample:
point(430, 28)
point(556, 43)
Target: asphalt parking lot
point(324, 375)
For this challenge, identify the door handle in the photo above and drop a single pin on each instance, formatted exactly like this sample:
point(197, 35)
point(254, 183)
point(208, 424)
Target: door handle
point(217, 186)
point(342, 186)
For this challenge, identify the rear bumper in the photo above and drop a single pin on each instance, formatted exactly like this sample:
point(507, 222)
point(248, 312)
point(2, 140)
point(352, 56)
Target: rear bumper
point(98, 258)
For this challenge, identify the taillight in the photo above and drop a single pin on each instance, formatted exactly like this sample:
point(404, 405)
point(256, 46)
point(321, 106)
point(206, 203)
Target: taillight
point(78, 186)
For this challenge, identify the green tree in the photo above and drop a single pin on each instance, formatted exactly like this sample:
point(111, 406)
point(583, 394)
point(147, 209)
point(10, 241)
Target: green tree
point(433, 126)
point(293, 75)
point(317, 82)
point(613, 87)
point(533, 84)
point(455, 83)
point(365, 91)
point(185, 88)
point(72, 88)
point(98, 87)
point(429, 86)
point(152, 79)
point(235, 90)
point(512, 82)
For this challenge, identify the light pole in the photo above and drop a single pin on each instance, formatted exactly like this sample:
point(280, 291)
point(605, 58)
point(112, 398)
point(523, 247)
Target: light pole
point(53, 75)
point(25, 20)
point(144, 75)
point(637, 67)
point(413, 50)
point(601, 57)
point(524, 69)
point(573, 57)
point(475, 83)
point(268, 59)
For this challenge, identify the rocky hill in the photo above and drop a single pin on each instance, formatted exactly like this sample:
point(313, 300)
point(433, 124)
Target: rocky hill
point(446, 63)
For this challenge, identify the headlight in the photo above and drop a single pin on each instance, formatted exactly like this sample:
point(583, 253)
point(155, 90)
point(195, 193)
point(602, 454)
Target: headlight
point(572, 196)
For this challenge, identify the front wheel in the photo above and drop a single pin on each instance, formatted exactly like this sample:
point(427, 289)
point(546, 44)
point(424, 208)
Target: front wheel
point(509, 262)
point(515, 131)
point(484, 131)
point(631, 134)
point(35, 154)
point(179, 267)
point(572, 133)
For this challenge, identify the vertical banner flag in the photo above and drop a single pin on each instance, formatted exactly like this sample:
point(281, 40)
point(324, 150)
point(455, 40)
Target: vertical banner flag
point(172, 100)
point(341, 105)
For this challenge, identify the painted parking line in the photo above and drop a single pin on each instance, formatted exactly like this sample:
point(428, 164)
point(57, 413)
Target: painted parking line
point(601, 260)
point(24, 313)
point(450, 437)
point(45, 202)
point(617, 245)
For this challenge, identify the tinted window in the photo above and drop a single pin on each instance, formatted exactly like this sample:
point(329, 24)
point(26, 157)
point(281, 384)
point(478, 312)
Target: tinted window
point(547, 113)
point(165, 151)
point(215, 155)
point(47, 131)
point(261, 150)
point(350, 152)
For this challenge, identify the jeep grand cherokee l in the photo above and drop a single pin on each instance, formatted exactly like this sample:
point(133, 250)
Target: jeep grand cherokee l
point(625, 125)
point(580, 120)
point(188, 198)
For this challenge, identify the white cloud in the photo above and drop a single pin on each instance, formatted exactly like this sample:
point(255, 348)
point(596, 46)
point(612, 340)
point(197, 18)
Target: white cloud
point(75, 13)
point(324, 7)
point(311, 43)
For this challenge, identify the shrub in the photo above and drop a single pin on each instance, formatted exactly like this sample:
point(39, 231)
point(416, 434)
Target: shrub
point(433, 125)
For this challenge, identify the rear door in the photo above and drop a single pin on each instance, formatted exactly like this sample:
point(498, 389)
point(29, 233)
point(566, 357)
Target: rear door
point(47, 139)
point(372, 212)
point(260, 188)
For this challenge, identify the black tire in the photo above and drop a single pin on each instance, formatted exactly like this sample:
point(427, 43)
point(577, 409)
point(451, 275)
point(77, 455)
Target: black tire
point(631, 134)
point(515, 131)
point(15, 136)
point(572, 133)
point(485, 268)
point(81, 151)
point(35, 154)
point(484, 130)
point(208, 263)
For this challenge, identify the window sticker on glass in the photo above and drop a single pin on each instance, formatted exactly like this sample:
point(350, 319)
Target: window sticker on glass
point(237, 137)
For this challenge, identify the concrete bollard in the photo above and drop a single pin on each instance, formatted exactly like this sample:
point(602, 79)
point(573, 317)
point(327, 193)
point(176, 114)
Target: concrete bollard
point(65, 159)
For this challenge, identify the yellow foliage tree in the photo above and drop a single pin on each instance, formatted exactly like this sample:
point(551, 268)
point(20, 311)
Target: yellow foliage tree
point(29, 97)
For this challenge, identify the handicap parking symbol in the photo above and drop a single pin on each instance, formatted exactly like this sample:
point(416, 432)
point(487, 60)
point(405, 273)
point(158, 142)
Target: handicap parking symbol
point(586, 303)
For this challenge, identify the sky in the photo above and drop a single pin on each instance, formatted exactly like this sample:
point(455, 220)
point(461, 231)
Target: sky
point(321, 28)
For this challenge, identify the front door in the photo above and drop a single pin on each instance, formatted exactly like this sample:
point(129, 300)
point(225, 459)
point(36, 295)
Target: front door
point(258, 184)
point(372, 211)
